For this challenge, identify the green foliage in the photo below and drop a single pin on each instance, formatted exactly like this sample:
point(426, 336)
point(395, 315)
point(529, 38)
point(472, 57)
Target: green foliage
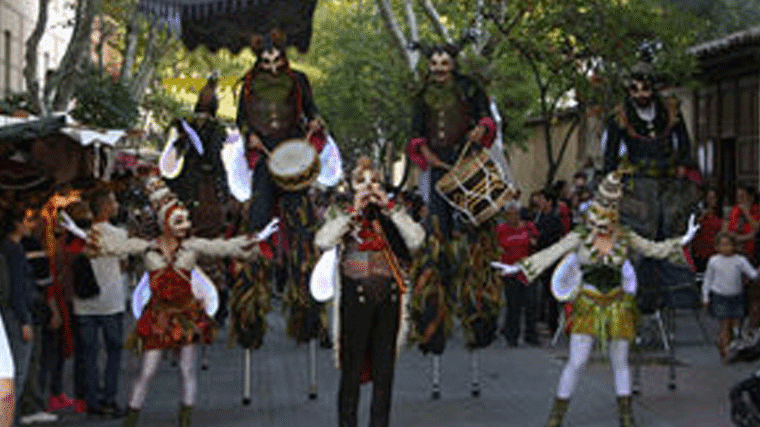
point(164, 106)
point(104, 102)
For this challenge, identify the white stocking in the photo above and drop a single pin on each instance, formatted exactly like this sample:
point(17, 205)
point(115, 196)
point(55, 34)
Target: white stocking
point(580, 351)
point(620, 367)
point(150, 361)
point(188, 373)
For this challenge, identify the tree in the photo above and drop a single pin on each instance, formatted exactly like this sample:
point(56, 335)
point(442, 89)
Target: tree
point(577, 51)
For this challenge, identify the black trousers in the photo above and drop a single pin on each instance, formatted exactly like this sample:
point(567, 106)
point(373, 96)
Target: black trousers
point(369, 315)
point(519, 296)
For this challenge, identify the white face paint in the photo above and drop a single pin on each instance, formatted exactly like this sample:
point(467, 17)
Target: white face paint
point(441, 66)
point(272, 60)
point(179, 224)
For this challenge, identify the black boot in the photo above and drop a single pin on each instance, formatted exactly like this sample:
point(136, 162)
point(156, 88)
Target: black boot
point(626, 411)
point(130, 420)
point(557, 413)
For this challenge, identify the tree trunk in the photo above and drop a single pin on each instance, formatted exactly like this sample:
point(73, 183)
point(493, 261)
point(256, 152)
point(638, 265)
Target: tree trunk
point(435, 19)
point(402, 44)
point(130, 53)
point(78, 51)
point(31, 65)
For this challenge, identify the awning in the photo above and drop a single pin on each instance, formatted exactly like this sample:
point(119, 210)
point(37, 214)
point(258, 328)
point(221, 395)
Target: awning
point(229, 24)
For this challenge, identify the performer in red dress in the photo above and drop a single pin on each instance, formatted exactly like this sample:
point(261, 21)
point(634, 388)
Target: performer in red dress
point(174, 317)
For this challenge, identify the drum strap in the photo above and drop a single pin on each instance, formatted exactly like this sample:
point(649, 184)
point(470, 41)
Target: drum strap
point(390, 257)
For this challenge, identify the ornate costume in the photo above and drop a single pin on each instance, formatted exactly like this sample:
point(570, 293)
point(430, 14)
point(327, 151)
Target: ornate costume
point(374, 247)
point(276, 104)
point(596, 275)
point(174, 317)
point(646, 135)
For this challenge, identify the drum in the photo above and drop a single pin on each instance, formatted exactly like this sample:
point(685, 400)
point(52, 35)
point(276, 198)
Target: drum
point(294, 164)
point(474, 186)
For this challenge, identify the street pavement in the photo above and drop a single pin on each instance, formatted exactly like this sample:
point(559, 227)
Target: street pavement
point(517, 387)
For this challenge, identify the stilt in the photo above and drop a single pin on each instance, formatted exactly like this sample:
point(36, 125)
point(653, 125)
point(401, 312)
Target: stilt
point(436, 376)
point(247, 377)
point(312, 369)
point(475, 373)
point(204, 357)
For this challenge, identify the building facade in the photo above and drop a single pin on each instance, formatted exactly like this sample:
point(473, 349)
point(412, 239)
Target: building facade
point(17, 21)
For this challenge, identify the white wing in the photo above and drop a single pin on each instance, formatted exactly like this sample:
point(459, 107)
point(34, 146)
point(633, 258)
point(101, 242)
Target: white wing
point(324, 275)
point(239, 175)
point(331, 164)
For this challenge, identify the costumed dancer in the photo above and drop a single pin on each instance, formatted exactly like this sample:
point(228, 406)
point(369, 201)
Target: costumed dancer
point(646, 136)
point(276, 104)
point(450, 110)
point(173, 318)
point(374, 240)
point(596, 275)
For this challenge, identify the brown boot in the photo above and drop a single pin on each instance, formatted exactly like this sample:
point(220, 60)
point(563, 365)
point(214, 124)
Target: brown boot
point(557, 413)
point(626, 411)
point(184, 415)
point(130, 420)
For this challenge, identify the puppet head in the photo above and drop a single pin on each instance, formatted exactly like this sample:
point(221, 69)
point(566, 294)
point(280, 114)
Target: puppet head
point(365, 177)
point(270, 51)
point(603, 214)
point(172, 216)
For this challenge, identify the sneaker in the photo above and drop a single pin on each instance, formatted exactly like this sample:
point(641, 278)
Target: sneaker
point(112, 410)
point(58, 402)
point(80, 406)
point(38, 417)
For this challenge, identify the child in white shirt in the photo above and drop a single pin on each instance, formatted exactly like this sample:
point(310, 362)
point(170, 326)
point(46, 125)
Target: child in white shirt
point(722, 290)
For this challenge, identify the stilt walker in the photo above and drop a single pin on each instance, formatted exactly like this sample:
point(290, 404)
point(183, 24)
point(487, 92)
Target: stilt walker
point(596, 275)
point(277, 115)
point(173, 317)
point(450, 111)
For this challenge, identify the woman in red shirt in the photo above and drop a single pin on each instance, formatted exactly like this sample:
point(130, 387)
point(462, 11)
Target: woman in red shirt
point(710, 224)
point(518, 239)
point(744, 219)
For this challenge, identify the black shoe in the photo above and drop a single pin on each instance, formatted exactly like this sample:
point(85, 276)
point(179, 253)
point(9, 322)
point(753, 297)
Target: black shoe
point(112, 410)
point(96, 411)
point(534, 342)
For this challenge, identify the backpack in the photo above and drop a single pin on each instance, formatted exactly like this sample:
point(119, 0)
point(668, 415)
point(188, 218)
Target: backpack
point(85, 285)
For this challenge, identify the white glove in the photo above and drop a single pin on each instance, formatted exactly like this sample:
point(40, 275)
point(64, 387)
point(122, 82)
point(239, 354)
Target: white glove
point(691, 230)
point(267, 231)
point(506, 269)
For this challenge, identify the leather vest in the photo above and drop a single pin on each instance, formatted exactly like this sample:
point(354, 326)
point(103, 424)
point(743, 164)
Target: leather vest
point(273, 114)
point(447, 124)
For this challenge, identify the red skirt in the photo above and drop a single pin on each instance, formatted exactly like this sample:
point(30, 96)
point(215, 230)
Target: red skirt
point(173, 316)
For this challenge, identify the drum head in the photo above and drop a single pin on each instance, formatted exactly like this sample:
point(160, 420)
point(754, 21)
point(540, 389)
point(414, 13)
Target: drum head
point(292, 157)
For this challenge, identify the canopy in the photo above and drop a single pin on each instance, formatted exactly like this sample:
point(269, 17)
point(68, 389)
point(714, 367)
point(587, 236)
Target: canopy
point(229, 24)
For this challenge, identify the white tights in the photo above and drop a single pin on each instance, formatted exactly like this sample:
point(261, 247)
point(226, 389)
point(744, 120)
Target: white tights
point(580, 351)
point(150, 361)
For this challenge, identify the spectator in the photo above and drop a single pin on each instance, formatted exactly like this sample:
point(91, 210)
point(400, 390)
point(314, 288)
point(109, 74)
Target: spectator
point(72, 249)
point(710, 224)
point(723, 292)
point(7, 372)
point(549, 227)
point(46, 316)
point(517, 238)
point(103, 312)
point(743, 223)
point(743, 220)
point(18, 318)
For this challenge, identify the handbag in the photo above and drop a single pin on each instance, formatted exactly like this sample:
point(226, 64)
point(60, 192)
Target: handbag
point(85, 284)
